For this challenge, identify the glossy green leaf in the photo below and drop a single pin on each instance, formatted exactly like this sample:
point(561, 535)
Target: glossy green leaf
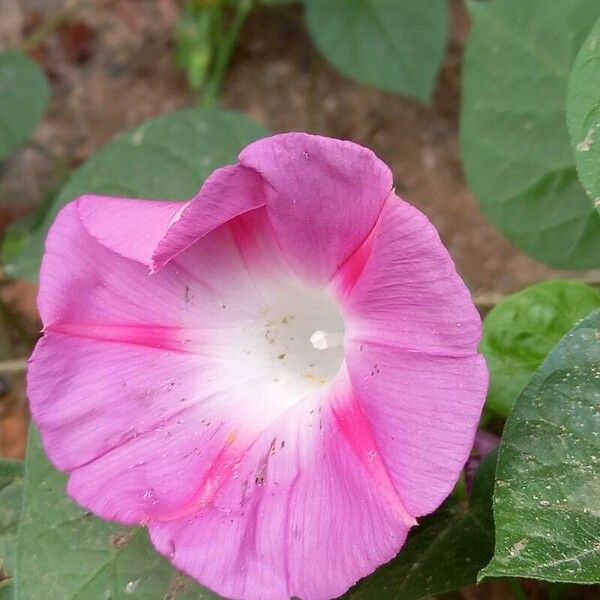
point(520, 331)
point(24, 96)
point(547, 494)
point(64, 553)
point(515, 145)
point(166, 158)
point(444, 553)
point(11, 493)
point(394, 45)
point(583, 113)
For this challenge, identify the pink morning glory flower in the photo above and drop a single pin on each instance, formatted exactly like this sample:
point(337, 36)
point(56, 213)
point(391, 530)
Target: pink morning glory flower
point(276, 378)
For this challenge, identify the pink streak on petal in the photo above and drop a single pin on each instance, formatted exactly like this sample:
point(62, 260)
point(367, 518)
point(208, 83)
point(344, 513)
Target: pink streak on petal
point(423, 412)
point(218, 474)
point(352, 269)
point(150, 476)
point(227, 193)
point(257, 244)
point(356, 428)
point(408, 294)
point(301, 518)
point(167, 338)
point(84, 283)
point(411, 341)
point(323, 197)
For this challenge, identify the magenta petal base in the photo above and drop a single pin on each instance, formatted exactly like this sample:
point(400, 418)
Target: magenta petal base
point(276, 378)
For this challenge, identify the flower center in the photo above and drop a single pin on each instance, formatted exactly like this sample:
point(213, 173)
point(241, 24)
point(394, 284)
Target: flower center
point(321, 340)
point(304, 334)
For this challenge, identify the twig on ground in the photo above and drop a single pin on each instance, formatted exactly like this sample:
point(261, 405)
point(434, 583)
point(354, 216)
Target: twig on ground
point(15, 365)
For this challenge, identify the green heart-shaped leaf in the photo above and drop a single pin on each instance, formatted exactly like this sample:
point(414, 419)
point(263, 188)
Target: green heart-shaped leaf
point(515, 145)
point(24, 96)
point(394, 45)
point(547, 494)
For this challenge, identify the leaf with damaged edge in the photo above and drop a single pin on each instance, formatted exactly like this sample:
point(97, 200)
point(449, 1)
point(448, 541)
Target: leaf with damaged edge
point(547, 493)
point(444, 553)
point(64, 553)
point(515, 145)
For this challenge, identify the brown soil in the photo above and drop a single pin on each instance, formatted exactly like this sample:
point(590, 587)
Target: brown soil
point(114, 68)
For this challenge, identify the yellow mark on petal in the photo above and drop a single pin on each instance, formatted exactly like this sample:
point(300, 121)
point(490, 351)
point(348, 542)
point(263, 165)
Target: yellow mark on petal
point(230, 438)
point(313, 378)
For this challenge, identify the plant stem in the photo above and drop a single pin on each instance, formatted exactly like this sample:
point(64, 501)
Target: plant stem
point(224, 51)
point(49, 25)
point(16, 365)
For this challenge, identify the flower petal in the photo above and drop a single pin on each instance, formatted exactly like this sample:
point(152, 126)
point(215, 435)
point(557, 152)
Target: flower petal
point(423, 412)
point(110, 413)
point(302, 517)
point(83, 283)
point(130, 228)
point(153, 232)
point(411, 348)
point(120, 352)
point(227, 193)
point(401, 289)
point(122, 349)
point(323, 197)
point(191, 399)
point(131, 384)
point(147, 432)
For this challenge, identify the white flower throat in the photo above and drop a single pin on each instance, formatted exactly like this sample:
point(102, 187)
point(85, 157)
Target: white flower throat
point(287, 346)
point(304, 334)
